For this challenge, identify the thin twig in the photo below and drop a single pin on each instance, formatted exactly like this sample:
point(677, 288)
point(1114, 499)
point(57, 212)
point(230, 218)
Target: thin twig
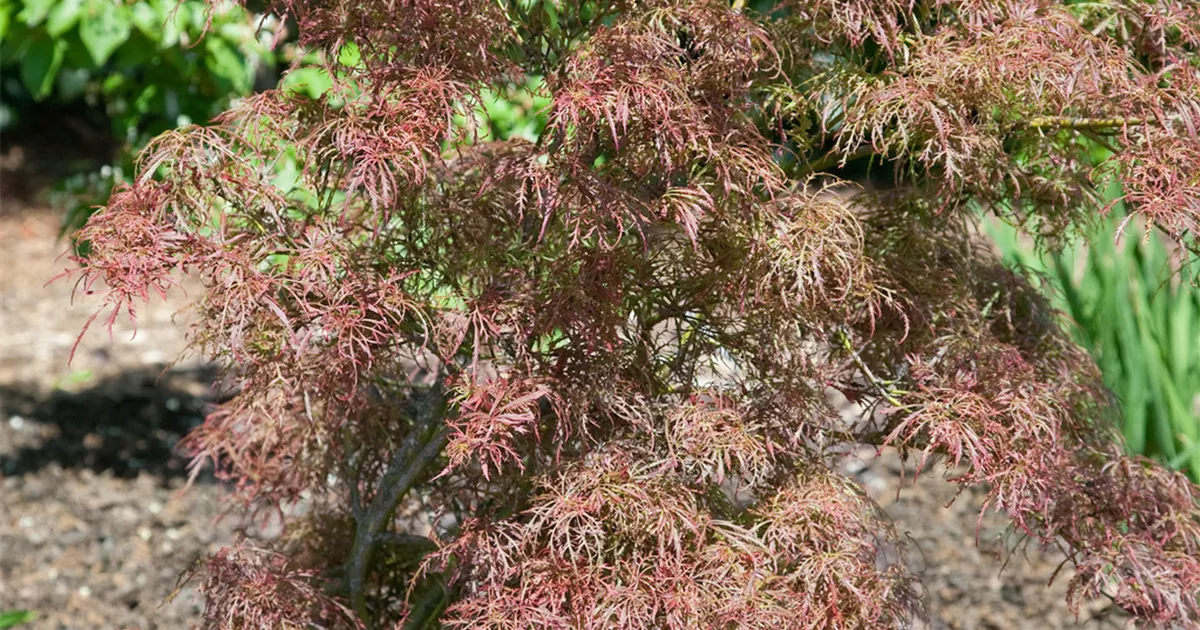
point(888, 394)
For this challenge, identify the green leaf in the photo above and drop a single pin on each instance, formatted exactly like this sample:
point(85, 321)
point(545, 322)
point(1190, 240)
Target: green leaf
point(114, 83)
point(551, 13)
point(1185, 429)
point(144, 100)
point(241, 32)
point(349, 56)
point(12, 618)
point(143, 54)
point(72, 83)
point(35, 11)
point(1151, 363)
point(311, 81)
point(225, 62)
point(146, 20)
point(1182, 337)
point(63, 16)
point(40, 65)
point(105, 26)
point(159, 22)
point(6, 11)
point(12, 47)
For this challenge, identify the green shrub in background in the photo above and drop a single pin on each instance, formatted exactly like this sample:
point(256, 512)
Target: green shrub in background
point(1140, 322)
point(514, 111)
point(146, 65)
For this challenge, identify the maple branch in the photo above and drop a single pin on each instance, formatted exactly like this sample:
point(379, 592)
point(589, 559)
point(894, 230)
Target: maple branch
point(1068, 122)
point(835, 158)
point(1097, 124)
point(418, 451)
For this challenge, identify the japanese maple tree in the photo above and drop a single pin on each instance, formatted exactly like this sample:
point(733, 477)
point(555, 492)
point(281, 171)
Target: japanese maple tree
point(582, 378)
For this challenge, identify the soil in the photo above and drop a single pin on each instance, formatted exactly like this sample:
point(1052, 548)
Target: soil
point(96, 524)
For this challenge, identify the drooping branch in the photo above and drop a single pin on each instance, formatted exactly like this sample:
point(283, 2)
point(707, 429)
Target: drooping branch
point(837, 159)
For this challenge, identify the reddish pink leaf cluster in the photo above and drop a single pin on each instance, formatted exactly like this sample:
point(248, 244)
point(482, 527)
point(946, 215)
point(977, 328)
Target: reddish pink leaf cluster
point(616, 542)
point(257, 588)
point(582, 381)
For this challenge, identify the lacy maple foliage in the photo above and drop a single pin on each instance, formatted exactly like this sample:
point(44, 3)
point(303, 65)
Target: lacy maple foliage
point(582, 381)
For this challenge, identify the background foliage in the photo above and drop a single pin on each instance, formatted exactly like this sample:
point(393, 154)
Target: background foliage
point(138, 68)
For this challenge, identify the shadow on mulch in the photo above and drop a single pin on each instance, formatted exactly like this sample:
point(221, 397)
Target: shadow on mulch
point(127, 424)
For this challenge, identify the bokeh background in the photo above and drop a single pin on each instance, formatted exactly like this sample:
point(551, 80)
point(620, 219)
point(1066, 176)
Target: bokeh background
point(97, 520)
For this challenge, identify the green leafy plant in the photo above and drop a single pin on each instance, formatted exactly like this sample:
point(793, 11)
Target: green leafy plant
point(14, 618)
point(1124, 301)
point(146, 66)
point(509, 111)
